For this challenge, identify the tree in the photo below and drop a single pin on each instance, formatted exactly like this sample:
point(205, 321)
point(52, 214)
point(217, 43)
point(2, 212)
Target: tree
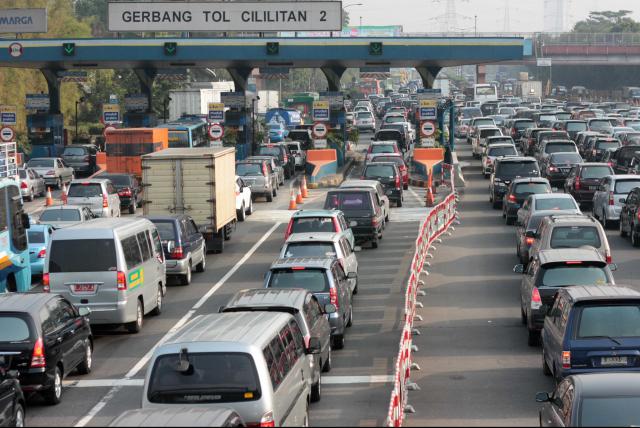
point(608, 22)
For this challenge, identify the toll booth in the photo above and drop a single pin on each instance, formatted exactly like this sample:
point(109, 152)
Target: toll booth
point(240, 121)
point(46, 134)
point(139, 120)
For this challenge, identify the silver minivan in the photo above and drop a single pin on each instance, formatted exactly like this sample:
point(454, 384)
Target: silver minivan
point(252, 362)
point(114, 267)
point(98, 194)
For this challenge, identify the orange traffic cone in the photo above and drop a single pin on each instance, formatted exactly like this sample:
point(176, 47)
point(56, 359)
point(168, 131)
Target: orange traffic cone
point(64, 194)
point(49, 200)
point(292, 202)
point(299, 197)
point(430, 199)
point(305, 191)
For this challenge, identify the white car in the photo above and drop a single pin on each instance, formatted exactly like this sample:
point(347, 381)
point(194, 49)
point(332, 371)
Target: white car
point(244, 201)
point(478, 140)
point(300, 156)
point(54, 171)
point(365, 121)
point(31, 184)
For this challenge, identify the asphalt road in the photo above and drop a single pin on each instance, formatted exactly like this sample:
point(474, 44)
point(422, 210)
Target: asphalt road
point(357, 390)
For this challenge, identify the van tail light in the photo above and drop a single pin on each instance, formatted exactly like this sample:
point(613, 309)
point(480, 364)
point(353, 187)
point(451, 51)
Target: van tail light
point(23, 185)
point(608, 257)
point(122, 281)
point(177, 253)
point(333, 297)
point(42, 254)
point(267, 420)
point(577, 184)
point(287, 234)
point(374, 222)
point(38, 359)
point(105, 201)
point(46, 283)
point(536, 300)
point(566, 359)
point(512, 198)
point(125, 192)
point(612, 201)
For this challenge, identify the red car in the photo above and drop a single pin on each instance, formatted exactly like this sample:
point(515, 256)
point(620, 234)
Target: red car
point(399, 161)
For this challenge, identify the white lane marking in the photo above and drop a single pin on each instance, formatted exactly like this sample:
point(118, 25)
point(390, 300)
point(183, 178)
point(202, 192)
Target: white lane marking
point(415, 195)
point(138, 383)
point(140, 365)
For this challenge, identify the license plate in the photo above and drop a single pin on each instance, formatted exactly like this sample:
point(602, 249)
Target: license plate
point(84, 288)
point(614, 361)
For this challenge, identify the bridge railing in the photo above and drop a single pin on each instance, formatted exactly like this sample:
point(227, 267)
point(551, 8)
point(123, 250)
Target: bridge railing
point(589, 39)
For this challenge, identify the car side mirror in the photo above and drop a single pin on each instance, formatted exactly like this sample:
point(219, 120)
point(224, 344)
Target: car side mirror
point(543, 397)
point(84, 312)
point(518, 269)
point(314, 346)
point(221, 309)
point(171, 245)
point(613, 267)
point(330, 309)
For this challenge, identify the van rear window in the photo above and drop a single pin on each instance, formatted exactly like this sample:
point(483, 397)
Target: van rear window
point(348, 201)
point(83, 255)
point(613, 321)
point(207, 378)
point(575, 237)
point(13, 329)
point(313, 224)
point(79, 190)
point(314, 280)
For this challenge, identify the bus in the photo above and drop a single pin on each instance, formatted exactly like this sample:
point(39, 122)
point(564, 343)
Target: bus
point(187, 134)
point(46, 135)
point(485, 92)
point(15, 262)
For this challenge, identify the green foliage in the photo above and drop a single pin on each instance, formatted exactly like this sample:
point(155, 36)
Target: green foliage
point(608, 22)
point(230, 138)
point(354, 135)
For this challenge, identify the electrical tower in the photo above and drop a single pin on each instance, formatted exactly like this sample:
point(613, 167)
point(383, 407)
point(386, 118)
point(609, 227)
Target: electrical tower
point(507, 18)
point(555, 16)
point(449, 20)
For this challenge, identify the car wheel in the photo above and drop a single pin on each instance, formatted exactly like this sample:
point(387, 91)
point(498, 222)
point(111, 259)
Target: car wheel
point(250, 209)
point(635, 239)
point(316, 391)
point(202, 266)
point(405, 187)
point(18, 418)
point(132, 208)
point(623, 233)
point(399, 203)
point(242, 213)
point(85, 367)
point(510, 221)
point(275, 192)
point(337, 341)
point(350, 322)
point(328, 365)
point(495, 204)
point(54, 394)
point(533, 338)
point(136, 326)
point(355, 289)
point(186, 278)
point(523, 316)
point(545, 367)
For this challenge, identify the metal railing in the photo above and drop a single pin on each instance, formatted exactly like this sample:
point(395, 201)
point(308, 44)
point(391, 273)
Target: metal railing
point(588, 39)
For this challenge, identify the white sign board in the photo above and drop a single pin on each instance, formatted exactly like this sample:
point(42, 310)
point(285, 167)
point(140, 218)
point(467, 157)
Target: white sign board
point(23, 20)
point(38, 102)
point(224, 16)
point(136, 102)
point(8, 115)
point(544, 62)
point(320, 144)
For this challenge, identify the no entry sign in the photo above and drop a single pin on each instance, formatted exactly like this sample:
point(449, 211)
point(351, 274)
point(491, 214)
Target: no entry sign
point(216, 131)
point(320, 130)
point(428, 129)
point(7, 134)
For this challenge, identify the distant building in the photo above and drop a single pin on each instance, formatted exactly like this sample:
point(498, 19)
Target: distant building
point(555, 16)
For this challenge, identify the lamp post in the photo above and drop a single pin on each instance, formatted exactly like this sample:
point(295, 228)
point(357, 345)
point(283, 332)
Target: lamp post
point(166, 101)
point(348, 6)
point(253, 122)
point(81, 100)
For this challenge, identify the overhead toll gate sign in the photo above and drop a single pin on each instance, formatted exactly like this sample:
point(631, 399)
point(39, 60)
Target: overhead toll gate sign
point(224, 16)
point(23, 20)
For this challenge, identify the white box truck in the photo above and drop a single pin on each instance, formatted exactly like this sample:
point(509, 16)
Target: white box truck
point(195, 99)
point(196, 182)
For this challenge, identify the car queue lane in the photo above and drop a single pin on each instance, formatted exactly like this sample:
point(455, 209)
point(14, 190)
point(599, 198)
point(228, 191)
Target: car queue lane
point(477, 369)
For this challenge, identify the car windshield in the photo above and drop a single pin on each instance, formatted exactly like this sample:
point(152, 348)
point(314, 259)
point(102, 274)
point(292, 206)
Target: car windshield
point(555, 204)
point(624, 187)
point(575, 237)
point(606, 145)
point(166, 229)
point(576, 126)
point(510, 170)
point(375, 171)
point(310, 249)
point(13, 329)
point(74, 151)
point(348, 201)
point(35, 236)
point(382, 148)
point(609, 411)
point(85, 190)
point(503, 151)
point(596, 172)
point(79, 255)
point(600, 125)
point(41, 163)
point(524, 189)
point(58, 214)
point(246, 169)
point(560, 148)
point(313, 280)
point(209, 378)
point(571, 158)
point(564, 275)
point(313, 224)
point(610, 320)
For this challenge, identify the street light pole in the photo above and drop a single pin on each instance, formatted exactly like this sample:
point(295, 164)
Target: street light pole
point(81, 100)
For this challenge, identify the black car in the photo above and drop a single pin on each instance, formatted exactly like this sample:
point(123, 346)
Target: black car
point(302, 135)
point(281, 151)
point(630, 217)
point(584, 179)
point(128, 189)
point(362, 209)
point(622, 158)
point(388, 174)
point(557, 166)
point(391, 135)
point(48, 338)
point(519, 190)
point(598, 146)
point(81, 157)
point(505, 171)
point(12, 402)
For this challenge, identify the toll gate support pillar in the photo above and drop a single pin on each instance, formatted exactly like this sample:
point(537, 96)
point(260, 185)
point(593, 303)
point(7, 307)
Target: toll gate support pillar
point(334, 76)
point(240, 78)
point(146, 76)
point(53, 84)
point(428, 75)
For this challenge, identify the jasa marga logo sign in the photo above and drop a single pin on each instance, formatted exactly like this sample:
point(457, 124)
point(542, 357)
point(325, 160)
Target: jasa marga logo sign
point(23, 20)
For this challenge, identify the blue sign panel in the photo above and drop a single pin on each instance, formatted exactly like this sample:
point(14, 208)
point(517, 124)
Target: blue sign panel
point(8, 118)
point(111, 116)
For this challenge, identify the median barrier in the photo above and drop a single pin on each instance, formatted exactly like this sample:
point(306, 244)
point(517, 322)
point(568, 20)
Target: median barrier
point(425, 162)
point(320, 164)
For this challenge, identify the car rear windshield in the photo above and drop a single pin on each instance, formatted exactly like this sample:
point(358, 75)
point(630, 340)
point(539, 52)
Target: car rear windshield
point(389, 135)
point(314, 280)
point(348, 201)
point(524, 189)
point(310, 249)
point(313, 224)
point(484, 122)
point(575, 237)
point(609, 411)
point(74, 151)
point(564, 275)
point(374, 171)
point(524, 124)
point(484, 133)
point(41, 163)
point(13, 329)
point(595, 172)
point(600, 125)
point(166, 229)
point(576, 126)
point(58, 214)
point(571, 158)
point(606, 145)
point(204, 378)
point(83, 255)
point(89, 190)
point(36, 236)
point(555, 204)
point(392, 159)
point(270, 151)
point(247, 169)
point(364, 115)
point(503, 151)
point(382, 148)
point(609, 320)
point(517, 169)
point(624, 187)
point(560, 148)
point(118, 180)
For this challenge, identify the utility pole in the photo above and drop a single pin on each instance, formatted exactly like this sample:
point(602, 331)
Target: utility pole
point(475, 25)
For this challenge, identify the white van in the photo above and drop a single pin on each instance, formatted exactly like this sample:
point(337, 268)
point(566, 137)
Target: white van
point(252, 362)
point(114, 267)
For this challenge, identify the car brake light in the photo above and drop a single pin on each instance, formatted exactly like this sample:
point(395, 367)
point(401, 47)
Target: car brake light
point(307, 341)
point(512, 198)
point(267, 420)
point(574, 263)
point(45, 282)
point(125, 192)
point(298, 268)
point(177, 253)
point(536, 300)
point(23, 185)
point(264, 170)
point(553, 169)
point(530, 241)
point(42, 254)
point(286, 158)
point(122, 281)
point(608, 257)
point(287, 234)
point(105, 201)
point(577, 183)
point(398, 184)
point(333, 297)
point(612, 201)
point(566, 359)
point(38, 359)
point(374, 221)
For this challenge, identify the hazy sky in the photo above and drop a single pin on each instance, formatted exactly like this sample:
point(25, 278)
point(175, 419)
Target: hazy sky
point(525, 15)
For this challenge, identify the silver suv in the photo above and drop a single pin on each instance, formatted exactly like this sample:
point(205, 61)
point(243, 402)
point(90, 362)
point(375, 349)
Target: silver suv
point(258, 176)
point(99, 195)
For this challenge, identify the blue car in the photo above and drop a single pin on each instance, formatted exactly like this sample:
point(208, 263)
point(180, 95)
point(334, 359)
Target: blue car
point(277, 132)
point(39, 236)
point(592, 329)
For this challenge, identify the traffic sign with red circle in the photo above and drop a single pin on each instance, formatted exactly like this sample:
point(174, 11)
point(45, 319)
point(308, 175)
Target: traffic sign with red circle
point(216, 131)
point(108, 129)
point(320, 130)
point(7, 134)
point(428, 128)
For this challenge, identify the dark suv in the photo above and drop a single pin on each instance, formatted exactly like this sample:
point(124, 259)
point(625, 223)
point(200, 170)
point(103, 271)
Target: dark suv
point(128, 189)
point(48, 338)
point(281, 151)
point(389, 176)
point(584, 179)
point(519, 190)
point(505, 171)
point(82, 158)
point(12, 402)
point(362, 209)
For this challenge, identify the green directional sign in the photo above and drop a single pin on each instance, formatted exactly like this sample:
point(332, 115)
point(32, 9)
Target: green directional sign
point(273, 48)
point(375, 48)
point(69, 49)
point(171, 49)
